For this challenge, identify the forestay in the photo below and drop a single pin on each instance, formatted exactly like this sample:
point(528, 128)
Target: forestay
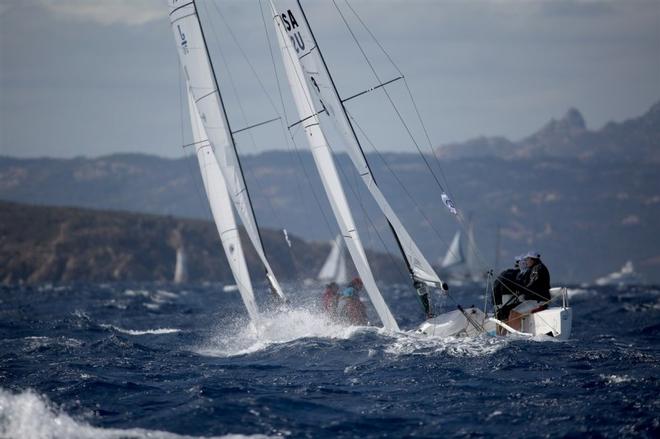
point(204, 89)
point(326, 165)
point(223, 214)
point(320, 82)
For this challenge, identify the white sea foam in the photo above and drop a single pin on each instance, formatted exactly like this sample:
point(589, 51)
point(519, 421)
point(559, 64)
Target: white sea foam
point(158, 331)
point(574, 292)
point(616, 379)
point(29, 415)
point(411, 343)
point(243, 337)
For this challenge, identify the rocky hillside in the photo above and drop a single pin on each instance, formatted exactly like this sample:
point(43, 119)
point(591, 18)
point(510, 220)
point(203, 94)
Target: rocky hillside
point(587, 200)
point(633, 140)
point(59, 244)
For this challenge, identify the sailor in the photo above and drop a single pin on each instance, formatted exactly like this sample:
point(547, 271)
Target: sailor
point(535, 290)
point(350, 308)
point(506, 290)
point(329, 299)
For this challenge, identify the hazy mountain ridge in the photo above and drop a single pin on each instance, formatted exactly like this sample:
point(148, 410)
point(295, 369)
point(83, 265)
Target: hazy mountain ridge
point(634, 140)
point(63, 244)
point(586, 216)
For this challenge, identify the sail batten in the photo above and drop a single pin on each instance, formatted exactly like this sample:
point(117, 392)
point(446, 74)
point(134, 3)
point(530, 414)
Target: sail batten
point(204, 89)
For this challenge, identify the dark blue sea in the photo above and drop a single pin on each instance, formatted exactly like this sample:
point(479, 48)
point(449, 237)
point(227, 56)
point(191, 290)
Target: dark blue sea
point(158, 360)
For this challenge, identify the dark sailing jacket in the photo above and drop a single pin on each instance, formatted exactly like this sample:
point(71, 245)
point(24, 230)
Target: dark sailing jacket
point(506, 284)
point(538, 283)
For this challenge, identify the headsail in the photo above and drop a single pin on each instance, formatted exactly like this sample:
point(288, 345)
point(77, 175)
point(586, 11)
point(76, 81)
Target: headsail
point(332, 267)
point(223, 214)
point(325, 163)
point(454, 255)
point(320, 82)
point(203, 86)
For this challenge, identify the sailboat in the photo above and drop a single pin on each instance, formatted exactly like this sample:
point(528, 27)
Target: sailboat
point(334, 267)
point(624, 277)
point(307, 71)
point(215, 148)
point(460, 261)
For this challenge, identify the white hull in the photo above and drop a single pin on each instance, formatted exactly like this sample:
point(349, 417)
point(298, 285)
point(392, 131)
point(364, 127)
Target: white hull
point(469, 322)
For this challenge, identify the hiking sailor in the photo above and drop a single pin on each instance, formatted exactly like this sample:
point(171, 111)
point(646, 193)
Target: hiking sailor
point(330, 298)
point(535, 290)
point(350, 308)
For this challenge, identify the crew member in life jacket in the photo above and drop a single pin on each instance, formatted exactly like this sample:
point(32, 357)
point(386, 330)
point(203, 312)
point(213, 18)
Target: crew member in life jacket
point(330, 298)
point(535, 290)
point(350, 308)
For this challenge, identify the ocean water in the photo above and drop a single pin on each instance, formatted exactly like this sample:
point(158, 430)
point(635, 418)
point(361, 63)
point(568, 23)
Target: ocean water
point(151, 361)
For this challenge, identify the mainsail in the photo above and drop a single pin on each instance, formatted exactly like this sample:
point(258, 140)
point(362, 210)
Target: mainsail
point(319, 80)
point(223, 214)
point(326, 165)
point(334, 267)
point(454, 255)
point(203, 87)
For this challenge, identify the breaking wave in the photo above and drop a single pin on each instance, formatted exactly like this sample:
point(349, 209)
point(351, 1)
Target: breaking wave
point(29, 415)
point(242, 336)
point(159, 331)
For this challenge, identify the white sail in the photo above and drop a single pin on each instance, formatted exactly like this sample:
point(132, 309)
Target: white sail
point(471, 257)
point(454, 255)
point(181, 267)
point(319, 80)
point(202, 83)
point(223, 214)
point(331, 266)
point(327, 170)
point(334, 267)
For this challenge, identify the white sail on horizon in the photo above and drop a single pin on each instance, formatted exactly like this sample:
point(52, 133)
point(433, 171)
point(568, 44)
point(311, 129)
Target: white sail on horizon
point(454, 255)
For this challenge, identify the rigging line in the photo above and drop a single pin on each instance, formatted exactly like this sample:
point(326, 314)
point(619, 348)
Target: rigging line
point(258, 124)
point(245, 57)
point(293, 133)
point(285, 131)
point(358, 184)
point(283, 122)
point(398, 113)
point(387, 165)
point(352, 130)
point(461, 221)
point(419, 117)
point(230, 76)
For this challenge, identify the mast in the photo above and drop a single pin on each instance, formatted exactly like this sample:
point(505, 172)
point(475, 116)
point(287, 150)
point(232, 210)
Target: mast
point(204, 88)
point(326, 167)
point(320, 80)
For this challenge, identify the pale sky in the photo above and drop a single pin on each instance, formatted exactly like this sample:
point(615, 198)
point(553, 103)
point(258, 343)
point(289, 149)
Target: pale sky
point(95, 77)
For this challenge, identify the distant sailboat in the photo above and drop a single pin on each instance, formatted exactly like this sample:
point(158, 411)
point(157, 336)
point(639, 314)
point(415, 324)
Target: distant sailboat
point(460, 261)
point(623, 277)
point(334, 267)
point(181, 267)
